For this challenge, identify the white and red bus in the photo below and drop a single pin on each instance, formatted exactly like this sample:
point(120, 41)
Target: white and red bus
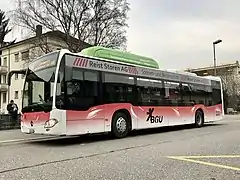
point(73, 94)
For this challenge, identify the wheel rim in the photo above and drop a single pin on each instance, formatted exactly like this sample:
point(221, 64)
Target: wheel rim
point(121, 125)
point(199, 119)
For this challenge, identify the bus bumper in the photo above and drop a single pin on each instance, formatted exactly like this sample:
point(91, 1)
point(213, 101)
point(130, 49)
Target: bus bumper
point(42, 129)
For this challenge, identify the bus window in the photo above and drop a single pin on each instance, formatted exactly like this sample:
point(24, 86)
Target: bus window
point(82, 89)
point(186, 95)
point(172, 93)
point(118, 88)
point(216, 92)
point(201, 94)
point(216, 96)
point(150, 92)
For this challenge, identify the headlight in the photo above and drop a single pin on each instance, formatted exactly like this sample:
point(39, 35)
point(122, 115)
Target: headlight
point(50, 123)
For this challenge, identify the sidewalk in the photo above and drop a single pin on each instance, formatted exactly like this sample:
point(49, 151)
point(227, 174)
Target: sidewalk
point(235, 116)
point(15, 135)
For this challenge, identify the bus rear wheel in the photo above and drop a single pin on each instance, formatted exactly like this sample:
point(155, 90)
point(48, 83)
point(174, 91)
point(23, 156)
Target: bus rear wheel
point(199, 118)
point(120, 125)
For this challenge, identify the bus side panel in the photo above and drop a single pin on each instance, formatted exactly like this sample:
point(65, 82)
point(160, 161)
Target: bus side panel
point(184, 115)
point(97, 119)
point(84, 122)
point(153, 116)
point(215, 113)
point(112, 108)
point(209, 113)
point(220, 113)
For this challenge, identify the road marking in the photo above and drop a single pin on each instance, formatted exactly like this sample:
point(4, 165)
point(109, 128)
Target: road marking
point(201, 157)
point(187, 158)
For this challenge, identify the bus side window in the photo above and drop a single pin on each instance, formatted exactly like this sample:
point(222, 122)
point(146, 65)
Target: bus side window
point(82, 90)
point(150, 92)
point(118, 88)
point(172, 93)
point(186, 95)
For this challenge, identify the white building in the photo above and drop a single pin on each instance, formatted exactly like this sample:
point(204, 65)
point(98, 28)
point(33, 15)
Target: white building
point(18, 55)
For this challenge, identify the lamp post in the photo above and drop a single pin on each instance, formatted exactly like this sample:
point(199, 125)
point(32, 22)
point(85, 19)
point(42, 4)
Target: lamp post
point(214, 55)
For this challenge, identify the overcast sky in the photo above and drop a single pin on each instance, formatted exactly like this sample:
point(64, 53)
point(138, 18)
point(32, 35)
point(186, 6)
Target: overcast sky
point(179, 33)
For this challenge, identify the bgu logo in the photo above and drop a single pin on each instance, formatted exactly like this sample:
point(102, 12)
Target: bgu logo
point(152, 118)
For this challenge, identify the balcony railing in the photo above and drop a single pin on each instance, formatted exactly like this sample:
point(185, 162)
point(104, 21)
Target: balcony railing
point(3, 69)
point(3, 87)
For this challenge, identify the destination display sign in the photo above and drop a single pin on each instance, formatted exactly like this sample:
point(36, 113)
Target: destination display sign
point(42, 64)
point(87, 63)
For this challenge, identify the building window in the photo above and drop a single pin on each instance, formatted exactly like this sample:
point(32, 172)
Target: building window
point(25, 55)
point(5, 61)
point(16, 57)
point(16, 95)
point(4, 97)
point(4, 79)
point(16, 76)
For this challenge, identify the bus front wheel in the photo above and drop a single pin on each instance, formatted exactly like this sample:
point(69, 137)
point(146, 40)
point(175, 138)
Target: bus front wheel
point(120, 125)
point(199, 118)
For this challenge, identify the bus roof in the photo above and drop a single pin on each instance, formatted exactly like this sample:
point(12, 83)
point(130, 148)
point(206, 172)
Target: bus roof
point(158, 72)
point(120, 56)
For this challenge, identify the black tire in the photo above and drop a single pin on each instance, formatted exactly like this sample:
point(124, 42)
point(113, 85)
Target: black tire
point(120, 125)
point(199, 118)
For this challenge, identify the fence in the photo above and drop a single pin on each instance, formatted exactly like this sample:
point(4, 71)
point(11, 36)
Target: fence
point(7, 123)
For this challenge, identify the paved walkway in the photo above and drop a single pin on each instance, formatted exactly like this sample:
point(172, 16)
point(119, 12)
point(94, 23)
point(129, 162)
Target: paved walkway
point(16, 135)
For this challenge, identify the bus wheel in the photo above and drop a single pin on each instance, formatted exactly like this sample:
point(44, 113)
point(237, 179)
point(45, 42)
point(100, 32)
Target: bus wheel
point(120, 125)
point(199, 118)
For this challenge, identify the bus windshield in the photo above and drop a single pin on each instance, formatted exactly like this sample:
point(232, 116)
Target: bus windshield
point(39, 84)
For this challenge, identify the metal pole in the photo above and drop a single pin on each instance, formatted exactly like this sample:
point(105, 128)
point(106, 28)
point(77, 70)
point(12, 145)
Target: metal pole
point(214, 59)
point(214, 55)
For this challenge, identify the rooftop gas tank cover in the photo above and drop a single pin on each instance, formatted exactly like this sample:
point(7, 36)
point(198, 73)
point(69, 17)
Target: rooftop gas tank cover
point(119, 56)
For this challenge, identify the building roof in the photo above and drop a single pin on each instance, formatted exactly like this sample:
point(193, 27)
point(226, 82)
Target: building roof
point(236, 64)
point(54, 34)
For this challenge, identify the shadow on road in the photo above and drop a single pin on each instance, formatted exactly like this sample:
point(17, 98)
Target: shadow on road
point(86, 139)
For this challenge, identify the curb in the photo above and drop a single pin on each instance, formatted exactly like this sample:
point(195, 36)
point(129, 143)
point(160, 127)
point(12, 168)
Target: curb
point(25, 140)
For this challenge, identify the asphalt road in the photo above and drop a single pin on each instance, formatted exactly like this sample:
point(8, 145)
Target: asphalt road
point(182, 153)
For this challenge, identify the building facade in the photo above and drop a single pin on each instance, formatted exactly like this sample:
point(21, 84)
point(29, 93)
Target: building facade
point(18, 55)
point(221, 70)
point(229, 73)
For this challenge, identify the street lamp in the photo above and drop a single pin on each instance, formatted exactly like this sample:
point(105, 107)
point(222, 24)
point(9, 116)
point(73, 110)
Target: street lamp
point(214, 55)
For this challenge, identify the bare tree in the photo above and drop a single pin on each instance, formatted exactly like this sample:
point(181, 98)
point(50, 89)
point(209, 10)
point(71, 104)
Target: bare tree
point(98, 22)
point(231, 89)
point(44, 43)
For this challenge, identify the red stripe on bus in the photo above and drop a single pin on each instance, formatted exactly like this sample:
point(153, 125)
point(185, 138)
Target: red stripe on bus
point(86, 63)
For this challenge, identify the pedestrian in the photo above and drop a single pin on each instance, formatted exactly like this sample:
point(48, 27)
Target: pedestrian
point(12, 109)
